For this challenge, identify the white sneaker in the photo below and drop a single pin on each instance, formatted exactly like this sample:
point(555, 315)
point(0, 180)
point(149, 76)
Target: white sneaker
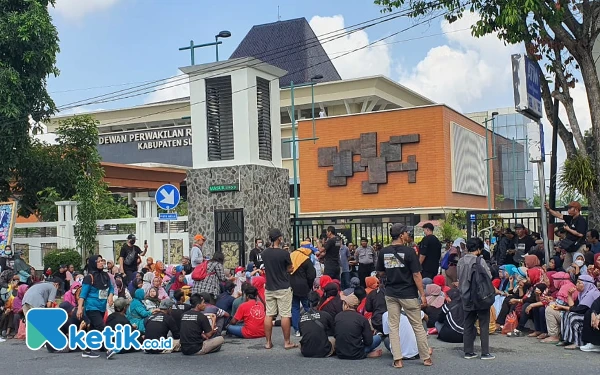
point(297, 333)
point(2, 340)
point(590, 348)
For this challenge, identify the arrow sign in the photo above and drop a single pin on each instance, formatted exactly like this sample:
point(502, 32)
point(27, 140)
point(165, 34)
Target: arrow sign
point(167, 197)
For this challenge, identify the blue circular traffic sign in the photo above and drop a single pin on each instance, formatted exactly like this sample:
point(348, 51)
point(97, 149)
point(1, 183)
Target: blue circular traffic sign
point(167, 197)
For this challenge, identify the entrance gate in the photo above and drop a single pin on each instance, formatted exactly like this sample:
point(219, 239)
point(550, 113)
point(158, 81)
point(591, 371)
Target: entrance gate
point(229, 236)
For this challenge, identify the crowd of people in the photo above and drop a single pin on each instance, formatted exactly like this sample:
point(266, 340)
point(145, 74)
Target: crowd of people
point(337, 298)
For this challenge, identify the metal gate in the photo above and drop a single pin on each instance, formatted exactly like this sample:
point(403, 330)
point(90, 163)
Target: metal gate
point(229, 236)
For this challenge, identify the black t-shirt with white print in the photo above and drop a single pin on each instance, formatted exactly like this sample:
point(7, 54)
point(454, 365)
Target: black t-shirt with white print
point(399, 264)
point(193, 325)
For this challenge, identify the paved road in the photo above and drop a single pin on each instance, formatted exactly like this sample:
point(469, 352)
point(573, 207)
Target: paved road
point(514, 355)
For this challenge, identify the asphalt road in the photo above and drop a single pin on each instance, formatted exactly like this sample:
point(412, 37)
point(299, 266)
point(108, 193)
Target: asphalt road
point(513, 355)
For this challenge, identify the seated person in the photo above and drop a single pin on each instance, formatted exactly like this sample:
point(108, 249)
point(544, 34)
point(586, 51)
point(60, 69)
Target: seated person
point(353, 336)
point(118, 317)
point(408, 340)
point(435, 301)
point(317, 330)
point(376, 306)
point(196, 334)
point(220, 317)
point(158, 326)
point(225, 299)
point(330, 301)
point(137, 312)
point(451, 323)
point(241, 299)
point(179, 307)
point(252, 314)
point(71, 320)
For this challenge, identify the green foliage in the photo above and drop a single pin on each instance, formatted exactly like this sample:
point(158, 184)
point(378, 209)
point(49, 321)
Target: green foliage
point(449, 231)
point(578, 176)
point(28, 45)
point(181, 209)
point(57, 257)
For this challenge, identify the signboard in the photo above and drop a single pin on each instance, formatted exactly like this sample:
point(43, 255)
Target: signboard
point(527, 89)
point(222, 188)
point(472, 217)
point(535, 142)
point(167, 197)
point(168, 216)
point(8, 217)
point(151, 139)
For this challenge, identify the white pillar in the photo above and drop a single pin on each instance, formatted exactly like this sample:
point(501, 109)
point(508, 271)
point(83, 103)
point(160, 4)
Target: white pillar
point(146, 212)
point(65, 230)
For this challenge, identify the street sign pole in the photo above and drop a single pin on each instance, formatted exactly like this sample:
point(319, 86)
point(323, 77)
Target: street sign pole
point(169, 239)
point(167, 198)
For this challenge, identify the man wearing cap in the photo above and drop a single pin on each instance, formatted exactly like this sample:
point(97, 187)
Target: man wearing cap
point(278, 294)
point(128, 257)
point(353, 336)
point(159, 325)
point(401, 266)
point(196, 256)
point(576, 228)
point(523, 243)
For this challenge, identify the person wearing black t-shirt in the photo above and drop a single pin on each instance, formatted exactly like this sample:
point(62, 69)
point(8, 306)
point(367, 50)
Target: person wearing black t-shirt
point(399, 263)
point(158, 326)
point(317, 330)
point(430, 252)
point(179, 307)
point(330, 253)
point(523, 243)
point(576, 227)
point(353, 336)
point(128, 257)
point(118, 317)
point(256, 253)
point(196, 333)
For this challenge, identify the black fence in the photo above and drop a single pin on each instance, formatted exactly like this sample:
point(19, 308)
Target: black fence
point(352, 228)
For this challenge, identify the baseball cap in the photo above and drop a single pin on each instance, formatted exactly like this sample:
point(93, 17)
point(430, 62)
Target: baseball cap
point(199, 237)
point(398, 229)
point(131, 237)
point(351, 300)
point(63, 266)
point(275, 234)
point(575, 205)
point(120, 304)
point(166, 304)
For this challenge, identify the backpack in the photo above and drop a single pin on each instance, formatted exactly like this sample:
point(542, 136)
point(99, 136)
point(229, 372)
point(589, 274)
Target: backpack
point(481, 291)
point(446, 261)
point(201, 271)
point(131, 257)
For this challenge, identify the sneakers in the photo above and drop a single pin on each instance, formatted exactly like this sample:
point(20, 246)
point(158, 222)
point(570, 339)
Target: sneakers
point(470, 355)
point(590, 348)
point(90, 354)
point(488, 356)
point(297, 333)
point(110, 354)
point(2, 340)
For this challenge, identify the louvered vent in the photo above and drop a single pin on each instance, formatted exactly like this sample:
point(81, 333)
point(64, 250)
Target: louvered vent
point(263, 104)
point(219, 118)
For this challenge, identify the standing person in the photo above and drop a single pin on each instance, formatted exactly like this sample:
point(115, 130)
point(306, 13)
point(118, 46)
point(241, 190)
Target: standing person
point(196, 256)
point(197, 336)
point(128, 257)
point(278, 265)
point(302, 277)
point(96, 291)
point(330, 254)
point(400, 264)
point(430, 252)
point(365, 255)
point(523, 243)
point(345, 266)
point(472, 313)
point(256, 253)
point(576, 228)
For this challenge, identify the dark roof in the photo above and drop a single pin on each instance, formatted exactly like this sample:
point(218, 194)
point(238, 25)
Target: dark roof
point(290, 45)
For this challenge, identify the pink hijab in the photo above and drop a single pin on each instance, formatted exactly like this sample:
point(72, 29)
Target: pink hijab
point(562, 282)
point(18, 300)
point(70, 295)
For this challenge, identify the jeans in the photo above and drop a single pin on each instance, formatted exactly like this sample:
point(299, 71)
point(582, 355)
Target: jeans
point(524, 317)
point(296, 301)
point(470, 332)
point(539, 319)
point(235, 330)
point(345, 280)
point(376, 343)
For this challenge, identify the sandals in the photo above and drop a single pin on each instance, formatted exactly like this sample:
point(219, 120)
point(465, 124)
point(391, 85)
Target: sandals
point(534, 334)
point(428, 362)
point(515, 333)
point(572, 347)
point(542, 336)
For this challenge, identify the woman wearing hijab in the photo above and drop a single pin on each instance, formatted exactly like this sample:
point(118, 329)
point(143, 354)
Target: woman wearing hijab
point(531, 261)
point(133, 284)
point(70, 295)
point(578, 266)
point(96, 292)
point(566, 296)
point(149, 267)
point(331, 301)
point(178, 283)
point(137, 313)
point(159, 269)
point(451, 322)
point(372, 283)
point(590, 334)
point(453, 257)
point(120, 292)
point(148, 279)
point(572, 317)
point(515, 295)
point(354, 282)
point(157, 284)
point(435, 301)
point(555, 264)
point(594, 269)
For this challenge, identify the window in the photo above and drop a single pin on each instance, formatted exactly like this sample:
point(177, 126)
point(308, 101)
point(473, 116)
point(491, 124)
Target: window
point(263, 103)
point(286, 149)
point(292, 190)
point(219, 118)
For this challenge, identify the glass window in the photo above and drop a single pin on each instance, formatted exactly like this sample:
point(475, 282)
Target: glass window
point(286, 149)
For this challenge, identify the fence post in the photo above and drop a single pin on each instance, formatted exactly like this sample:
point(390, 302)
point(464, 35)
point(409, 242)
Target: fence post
point(146, 212)
point(65, 228)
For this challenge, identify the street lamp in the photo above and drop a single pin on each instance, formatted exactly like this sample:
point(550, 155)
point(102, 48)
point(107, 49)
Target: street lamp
point(223, 34)
point(488, 158)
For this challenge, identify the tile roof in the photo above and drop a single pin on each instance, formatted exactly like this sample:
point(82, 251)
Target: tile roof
point(291, 45)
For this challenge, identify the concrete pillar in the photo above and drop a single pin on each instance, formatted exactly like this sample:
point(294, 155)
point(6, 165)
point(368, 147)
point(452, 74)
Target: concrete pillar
point(146, 212)
point(65, 230)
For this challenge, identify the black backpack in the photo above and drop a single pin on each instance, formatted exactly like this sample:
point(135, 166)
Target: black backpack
point(481, 290)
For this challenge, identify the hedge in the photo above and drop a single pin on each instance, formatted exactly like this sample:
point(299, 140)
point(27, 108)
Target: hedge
point(57, 257)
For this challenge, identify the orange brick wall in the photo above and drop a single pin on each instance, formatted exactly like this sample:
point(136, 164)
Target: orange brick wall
point(434, 180)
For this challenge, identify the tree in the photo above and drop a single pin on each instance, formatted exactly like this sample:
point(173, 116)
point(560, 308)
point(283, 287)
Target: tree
point(28, 48)
point(560, 36)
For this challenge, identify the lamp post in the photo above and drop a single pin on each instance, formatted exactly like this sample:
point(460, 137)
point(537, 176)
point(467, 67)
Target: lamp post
point(192, 46)
point(294, 141)
point(488, 158)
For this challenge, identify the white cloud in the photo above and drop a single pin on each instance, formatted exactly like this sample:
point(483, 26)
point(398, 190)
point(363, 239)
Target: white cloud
point(373, 60)
point(174, 88)
point(78, 9)
point(467, 73)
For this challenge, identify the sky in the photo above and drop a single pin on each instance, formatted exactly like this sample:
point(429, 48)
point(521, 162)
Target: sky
point(110, 45)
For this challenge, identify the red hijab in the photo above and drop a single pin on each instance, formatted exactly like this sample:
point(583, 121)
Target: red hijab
point(178, 284)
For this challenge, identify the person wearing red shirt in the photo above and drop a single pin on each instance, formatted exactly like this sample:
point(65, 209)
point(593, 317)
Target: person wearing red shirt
point(252, 314)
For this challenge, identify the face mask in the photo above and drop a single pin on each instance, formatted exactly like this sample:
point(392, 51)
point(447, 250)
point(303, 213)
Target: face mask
point(260, 245)
point(132, 242)
point(579, 263)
